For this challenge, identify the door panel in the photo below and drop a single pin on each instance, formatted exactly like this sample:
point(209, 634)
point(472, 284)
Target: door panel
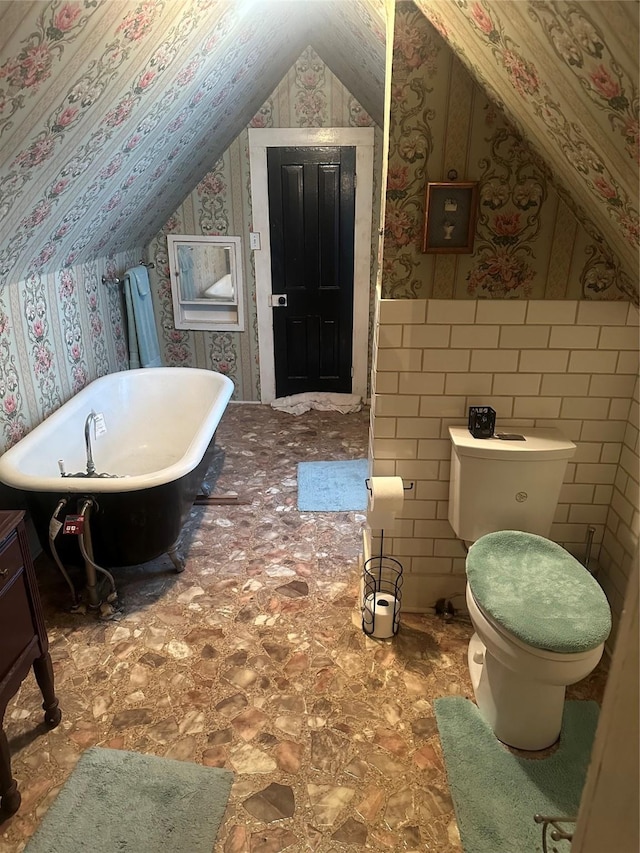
point(292, 228)
point(311, 211)
point(298, 331)
point(330, 349)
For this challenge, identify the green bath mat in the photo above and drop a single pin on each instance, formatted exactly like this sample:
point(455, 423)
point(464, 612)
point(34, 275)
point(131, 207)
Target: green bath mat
point(132, 803)
point(496, 793)
point(332, 486)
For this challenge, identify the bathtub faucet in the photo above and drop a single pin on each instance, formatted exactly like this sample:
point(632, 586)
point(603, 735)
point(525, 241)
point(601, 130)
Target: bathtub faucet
point(91, 419)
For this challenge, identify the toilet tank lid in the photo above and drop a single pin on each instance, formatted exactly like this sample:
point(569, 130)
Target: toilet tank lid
point(539, 445)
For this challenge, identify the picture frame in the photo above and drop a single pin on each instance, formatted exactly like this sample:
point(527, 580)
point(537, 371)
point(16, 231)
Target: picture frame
point(450, 217)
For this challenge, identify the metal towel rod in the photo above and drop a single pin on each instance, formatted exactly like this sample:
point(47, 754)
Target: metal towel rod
point(116, 280)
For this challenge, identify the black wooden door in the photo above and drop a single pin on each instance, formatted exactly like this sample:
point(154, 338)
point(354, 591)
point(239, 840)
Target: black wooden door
point(311, 213)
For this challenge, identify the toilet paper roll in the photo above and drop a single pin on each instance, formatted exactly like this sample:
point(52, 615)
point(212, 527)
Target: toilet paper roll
point(385, 501)
point(379, 615)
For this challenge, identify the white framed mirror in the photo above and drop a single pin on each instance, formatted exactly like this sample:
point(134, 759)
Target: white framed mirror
point(206, 282)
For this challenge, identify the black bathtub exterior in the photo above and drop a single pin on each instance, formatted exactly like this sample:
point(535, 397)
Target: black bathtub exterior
point(127, 528)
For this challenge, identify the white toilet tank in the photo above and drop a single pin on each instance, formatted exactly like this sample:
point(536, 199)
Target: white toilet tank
point(501, 484)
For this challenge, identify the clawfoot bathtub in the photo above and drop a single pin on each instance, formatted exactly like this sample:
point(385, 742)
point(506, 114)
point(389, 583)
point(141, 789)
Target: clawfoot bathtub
point(137, 443)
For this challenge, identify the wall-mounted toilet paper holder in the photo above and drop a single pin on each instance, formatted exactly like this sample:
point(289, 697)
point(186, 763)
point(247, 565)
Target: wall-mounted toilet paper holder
point(406, 488)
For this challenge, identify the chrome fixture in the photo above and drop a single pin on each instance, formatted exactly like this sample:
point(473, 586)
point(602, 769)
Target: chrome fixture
point(115, 280)
point(558, 832)
point(91, 419)
point(587, 557)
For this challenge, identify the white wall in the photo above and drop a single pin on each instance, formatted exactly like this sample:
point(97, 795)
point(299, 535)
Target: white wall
point(567, 364)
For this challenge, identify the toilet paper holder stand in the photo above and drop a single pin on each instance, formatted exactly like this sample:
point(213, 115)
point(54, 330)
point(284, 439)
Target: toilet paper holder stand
point(382, 585)
point(382, 577)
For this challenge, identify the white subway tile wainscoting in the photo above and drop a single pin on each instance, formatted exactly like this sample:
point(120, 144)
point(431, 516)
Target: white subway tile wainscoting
point(566, 364)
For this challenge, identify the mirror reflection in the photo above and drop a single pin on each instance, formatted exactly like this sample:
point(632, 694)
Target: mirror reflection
point(206, 282)
point(204, 272)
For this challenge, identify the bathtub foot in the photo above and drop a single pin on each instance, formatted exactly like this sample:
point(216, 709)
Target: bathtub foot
point(110, 609)
point(176, 557)
point(205, 489)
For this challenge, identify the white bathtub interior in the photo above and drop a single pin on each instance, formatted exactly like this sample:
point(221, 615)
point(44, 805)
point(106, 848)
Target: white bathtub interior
point(159, 422)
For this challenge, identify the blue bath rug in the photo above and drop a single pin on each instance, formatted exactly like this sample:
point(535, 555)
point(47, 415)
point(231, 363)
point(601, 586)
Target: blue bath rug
point(496, 792)
point(134, 803)
point(332, 486)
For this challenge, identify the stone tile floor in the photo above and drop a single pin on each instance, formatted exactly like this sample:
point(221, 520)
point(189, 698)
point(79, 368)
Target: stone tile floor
point(254, 659)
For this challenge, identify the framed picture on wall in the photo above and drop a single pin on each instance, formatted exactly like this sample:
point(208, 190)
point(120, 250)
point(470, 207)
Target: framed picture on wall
point(450, 217)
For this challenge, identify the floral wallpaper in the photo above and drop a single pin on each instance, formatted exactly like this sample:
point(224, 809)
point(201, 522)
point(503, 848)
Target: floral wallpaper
point(309, 95)
point(104, 106)
point(566, 74)
point(58, 331)
point(528, 243)
point(109, 114)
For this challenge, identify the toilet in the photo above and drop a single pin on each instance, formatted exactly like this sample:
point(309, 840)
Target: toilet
point(540, 618)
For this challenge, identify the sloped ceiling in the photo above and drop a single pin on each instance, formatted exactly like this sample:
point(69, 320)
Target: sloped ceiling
point(566, 74)
point(112, 110)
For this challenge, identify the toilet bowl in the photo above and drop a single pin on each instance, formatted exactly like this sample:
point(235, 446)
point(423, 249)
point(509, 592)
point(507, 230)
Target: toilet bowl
point(540, 622)
point(540, 618)
point(520, 690)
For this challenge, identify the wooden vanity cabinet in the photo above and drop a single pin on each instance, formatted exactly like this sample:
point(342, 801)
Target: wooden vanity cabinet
point(23, 640)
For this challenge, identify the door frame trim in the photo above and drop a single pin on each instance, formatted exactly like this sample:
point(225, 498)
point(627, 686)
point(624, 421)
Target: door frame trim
point(362, 139)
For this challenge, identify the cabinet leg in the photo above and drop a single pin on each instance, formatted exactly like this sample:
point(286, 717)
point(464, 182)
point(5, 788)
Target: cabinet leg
point(43, 671)
point(9, 794)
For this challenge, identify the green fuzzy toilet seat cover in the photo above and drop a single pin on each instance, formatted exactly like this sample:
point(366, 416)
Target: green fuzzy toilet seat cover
point(538, 592)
